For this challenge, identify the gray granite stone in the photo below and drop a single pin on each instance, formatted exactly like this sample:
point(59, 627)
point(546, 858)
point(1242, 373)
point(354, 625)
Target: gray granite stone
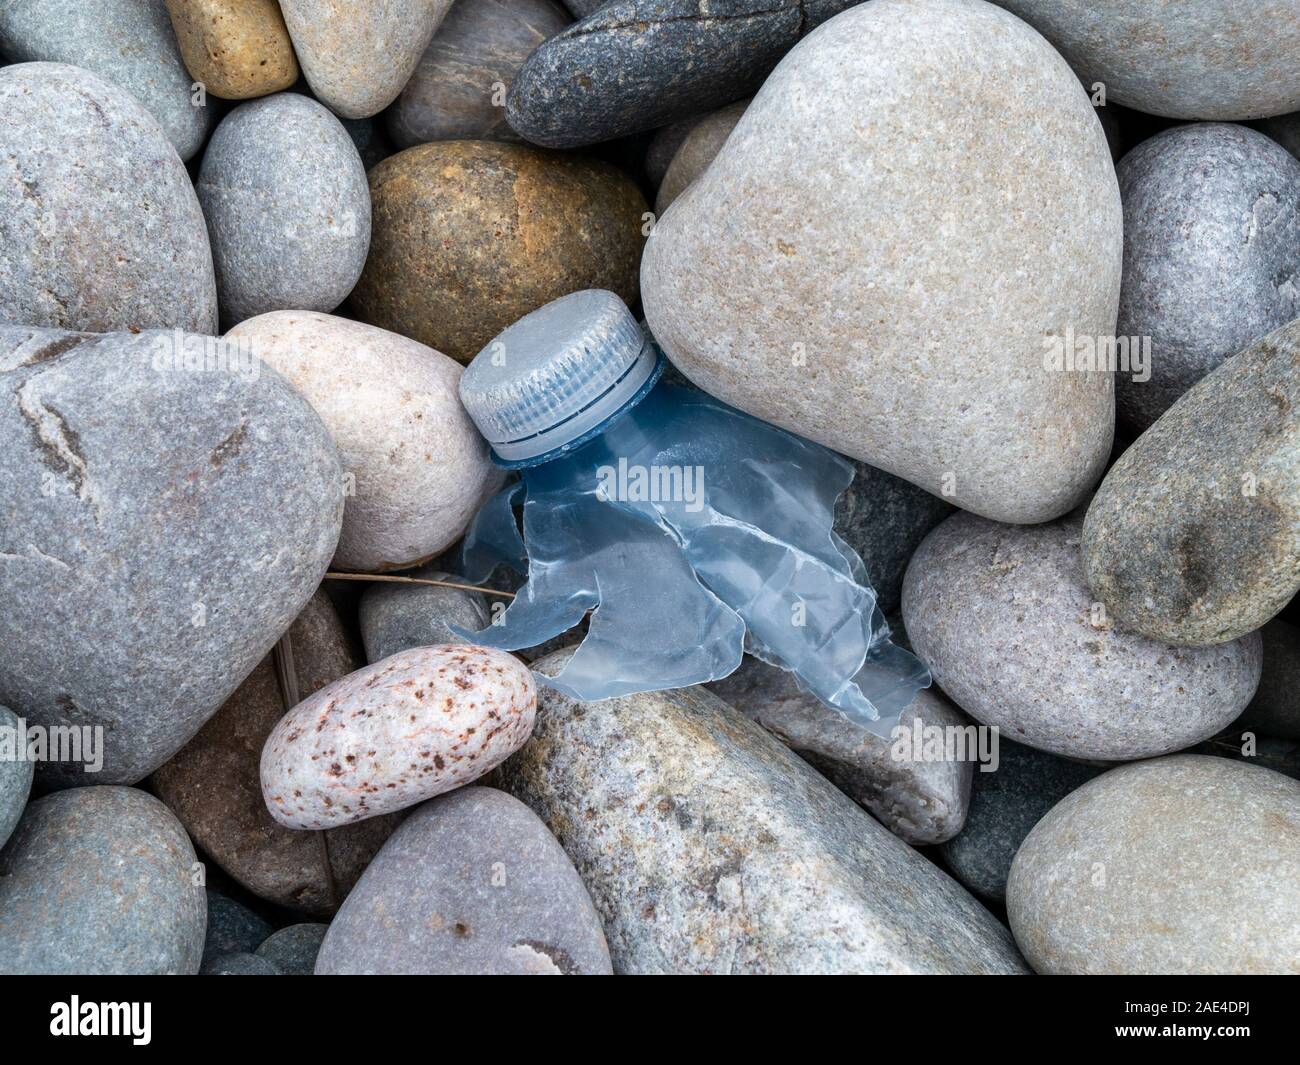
point(708, 847)
point(633, 65)
point(1211, 255)
point(1005, 804)
point(357, 54)
point(888, 311)
point(1275, 710)
point(232, 927)
point(471, 884)
point(1004, 619)
point(458, 90)
point(293, 950)
point(165, 523)
point(1192, 59)
point(1178, 865)
point(15, 773)
point(919, 801)
point(127, 42)
point(396, 617)
point(100, 880)
point(239, 965)
point(698, 149)
point(663, 147)
point(102, 229)
point(288, 208)
point(1194, 535)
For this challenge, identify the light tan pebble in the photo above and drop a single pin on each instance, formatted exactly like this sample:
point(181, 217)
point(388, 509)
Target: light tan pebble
point(238, 49)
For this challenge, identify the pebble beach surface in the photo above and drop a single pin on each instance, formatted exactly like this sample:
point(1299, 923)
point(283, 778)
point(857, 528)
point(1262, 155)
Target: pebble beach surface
point(1030, 268)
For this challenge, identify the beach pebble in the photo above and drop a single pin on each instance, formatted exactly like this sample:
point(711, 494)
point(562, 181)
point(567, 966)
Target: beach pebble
point(1005, 804)
point(708, 847)
point(663, 148)
point(357, 54)
point(920, 801)
point(164, 524)
point(293, 950)
point(371, 140)
point(458, 90)
point(239, 965)
point(102, 227)
point(287, 206)
point(887, 311)
point(395, 733)
point(129, 43)
point(418, 469)
point(1186, 864)
point(213, 783)
point(884, 519)
point(1002, 616)
point(100, 880)
point(396, 617)
point(15, 772)
point(237, 49)
point(1194, 535)
point(1275, 710)
point(471, 884)
point(232, 927)
point(469, 236)
point(1211, 255)
point(634, 65)
point(698, 149)
point(1207, 59)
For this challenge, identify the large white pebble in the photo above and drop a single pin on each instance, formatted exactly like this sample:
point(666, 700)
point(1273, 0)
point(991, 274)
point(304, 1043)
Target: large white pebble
point(419, 723)
point(418, 468)
point(917, 205)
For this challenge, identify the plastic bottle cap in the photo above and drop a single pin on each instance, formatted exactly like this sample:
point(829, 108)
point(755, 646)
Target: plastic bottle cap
point(557, 374)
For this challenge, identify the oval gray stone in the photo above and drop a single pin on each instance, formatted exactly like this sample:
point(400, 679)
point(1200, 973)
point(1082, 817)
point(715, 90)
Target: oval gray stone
point(471, 884)
point(1004, 619)
point(100, 880)
point(293, 950)
point(232, 927)
point(239, 965)
point(99, 225)
point(287, 205)
point(475, 55)
point(127, 42)
point(396, 617)
point(1194, 535)
point(165, 523)
point(1209, 59)
point(15, 772)
point(919, 801)
point(1211, 255)
point(698, 149)
point(708, 847)
point(1179, 865)
point(1275, 710)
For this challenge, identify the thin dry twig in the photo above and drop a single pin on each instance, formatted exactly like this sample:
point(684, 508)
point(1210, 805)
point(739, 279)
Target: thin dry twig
point(414, 580)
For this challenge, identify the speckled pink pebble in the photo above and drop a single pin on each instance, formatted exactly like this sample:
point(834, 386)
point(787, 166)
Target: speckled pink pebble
point(417, 724)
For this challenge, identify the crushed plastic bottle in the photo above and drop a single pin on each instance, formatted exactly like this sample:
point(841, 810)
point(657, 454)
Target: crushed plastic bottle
point(693, 531)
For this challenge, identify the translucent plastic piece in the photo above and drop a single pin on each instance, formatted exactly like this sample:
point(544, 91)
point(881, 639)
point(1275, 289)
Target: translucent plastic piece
point(694, 532)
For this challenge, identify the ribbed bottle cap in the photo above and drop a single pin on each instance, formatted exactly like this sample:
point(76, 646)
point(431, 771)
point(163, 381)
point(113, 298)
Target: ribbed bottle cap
point(556, 374)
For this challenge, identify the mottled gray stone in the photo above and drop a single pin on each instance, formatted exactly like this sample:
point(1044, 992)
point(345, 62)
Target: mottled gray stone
point(99, 225)
point(1194, 535)
point(1275, 710)
point(232, 927)
point(888, 311)
point(634, 65)
point(1179, 865)
point(239, 965)
point(164, 525)
point(1209, 59)
point(127, 42)
point(1005, 804)
point(1002, 616)
point(370, 139)
point(287, 205)
point(458, 89)
point(396, 617)
point(293, 950)
point(471, 884)
point(698, 149)
point(919, 801)
point(357, 54)
point(884, 519)
point(708, 847)
point(1211, 255)
point(663, 148)
point(100, 880)
point(1285, 129)
point(15, 776)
